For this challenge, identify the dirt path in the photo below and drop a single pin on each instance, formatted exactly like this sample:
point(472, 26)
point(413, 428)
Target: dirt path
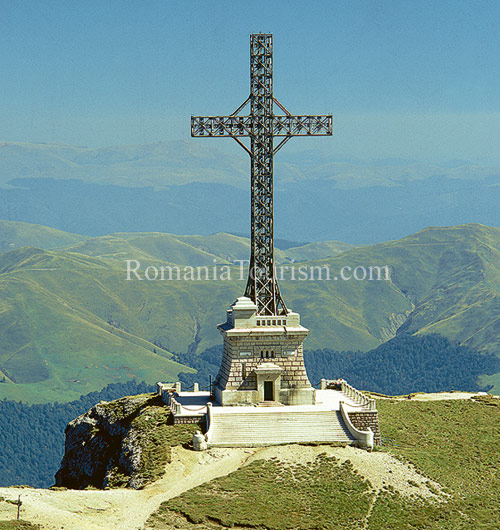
point(437, 396)
point(449, 395)
point(128, 509)
point(120, 509)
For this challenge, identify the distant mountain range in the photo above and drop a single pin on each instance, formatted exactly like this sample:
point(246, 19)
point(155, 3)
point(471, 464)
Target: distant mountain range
point(160, 165)
point(191, 187)
point(70, 322)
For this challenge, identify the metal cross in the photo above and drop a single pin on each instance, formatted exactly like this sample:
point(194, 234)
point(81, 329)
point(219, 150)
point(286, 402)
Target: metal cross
point(262, 126)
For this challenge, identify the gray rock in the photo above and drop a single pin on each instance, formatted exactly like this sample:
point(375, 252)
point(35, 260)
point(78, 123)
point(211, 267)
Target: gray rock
point(102, 447)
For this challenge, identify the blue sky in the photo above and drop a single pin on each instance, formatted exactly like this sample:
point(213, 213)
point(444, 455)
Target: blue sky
point(404, 79)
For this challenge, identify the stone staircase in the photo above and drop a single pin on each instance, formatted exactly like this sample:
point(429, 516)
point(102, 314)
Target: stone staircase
point(237, 427)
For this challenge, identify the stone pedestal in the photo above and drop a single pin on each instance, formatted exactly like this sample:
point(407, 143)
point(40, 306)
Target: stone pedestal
point(262, 359)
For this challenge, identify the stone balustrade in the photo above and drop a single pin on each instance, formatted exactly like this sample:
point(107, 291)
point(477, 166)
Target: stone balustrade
point(175, 406)
point(166, 392)
point(358, 396)
point(350, 392)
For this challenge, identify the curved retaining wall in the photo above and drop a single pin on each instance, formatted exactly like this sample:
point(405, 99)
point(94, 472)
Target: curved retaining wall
point(364, 438)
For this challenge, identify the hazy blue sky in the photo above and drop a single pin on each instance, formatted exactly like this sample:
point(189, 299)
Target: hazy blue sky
point(410, 79)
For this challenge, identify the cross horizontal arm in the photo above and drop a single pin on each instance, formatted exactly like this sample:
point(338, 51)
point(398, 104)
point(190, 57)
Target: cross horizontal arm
point(303, 125)
point(238, 126)
point(221, 126)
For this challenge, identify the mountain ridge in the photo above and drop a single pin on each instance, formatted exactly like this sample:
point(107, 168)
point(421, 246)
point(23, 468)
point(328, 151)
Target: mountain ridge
point(181, 161)
point(190, 187)
point(72, 322)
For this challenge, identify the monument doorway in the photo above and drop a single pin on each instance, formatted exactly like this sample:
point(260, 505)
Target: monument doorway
point(268, 391)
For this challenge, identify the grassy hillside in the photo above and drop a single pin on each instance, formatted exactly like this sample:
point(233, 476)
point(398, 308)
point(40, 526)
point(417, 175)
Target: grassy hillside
point(452, 443)
point(451, 275)
point(166, 248)
point(55, 344)
point(18, 525)
point(149, 246)
point(195, 250)
point(70, 322)
point(316, 250)
point(14, 234)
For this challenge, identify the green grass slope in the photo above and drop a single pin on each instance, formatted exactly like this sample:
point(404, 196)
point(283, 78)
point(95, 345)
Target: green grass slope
point(270, 495)
point(153, 248)
point(169, 248)
point(195, 250)
point(53, 348)
point(14, 234)
point(451, 275)
point(225, 247)
point(316, 250)
point(453, 443)
point(443, 280)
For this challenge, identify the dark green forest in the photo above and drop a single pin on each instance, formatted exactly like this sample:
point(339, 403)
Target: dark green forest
point(405, 364)
point(206, 365)
point(32, 436)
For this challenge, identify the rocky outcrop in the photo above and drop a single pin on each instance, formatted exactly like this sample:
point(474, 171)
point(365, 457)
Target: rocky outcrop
point(122, 443)
point(394, 322)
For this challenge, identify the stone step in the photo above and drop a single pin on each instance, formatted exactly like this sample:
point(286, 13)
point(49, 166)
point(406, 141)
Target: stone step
point(238, 428)
point(269, 404)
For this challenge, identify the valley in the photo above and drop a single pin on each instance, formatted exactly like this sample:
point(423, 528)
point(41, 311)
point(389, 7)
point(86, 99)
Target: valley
point(71, 322)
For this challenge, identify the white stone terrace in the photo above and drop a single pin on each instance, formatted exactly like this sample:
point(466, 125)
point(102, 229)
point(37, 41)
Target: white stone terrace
point(195, 403)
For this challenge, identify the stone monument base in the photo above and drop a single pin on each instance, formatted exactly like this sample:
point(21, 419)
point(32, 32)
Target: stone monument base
point(262, 361)
point(298, 396)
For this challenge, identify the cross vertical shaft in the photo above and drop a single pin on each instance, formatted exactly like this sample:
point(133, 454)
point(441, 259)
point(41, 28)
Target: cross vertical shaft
point(261, 126)
point(262, 284)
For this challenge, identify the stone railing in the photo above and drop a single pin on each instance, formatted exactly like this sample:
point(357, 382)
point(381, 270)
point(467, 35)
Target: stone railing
point(358, 396)
point(174, 405)
point(334, 384)
point(350, 392)
point(165, 388)
point(167, 391)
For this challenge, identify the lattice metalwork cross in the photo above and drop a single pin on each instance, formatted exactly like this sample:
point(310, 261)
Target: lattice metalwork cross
point(262, 126)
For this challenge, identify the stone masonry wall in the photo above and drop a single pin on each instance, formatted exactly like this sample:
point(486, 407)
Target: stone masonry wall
point(236, 370)
point(363, 420)
point(225, 367)
point(189, 419)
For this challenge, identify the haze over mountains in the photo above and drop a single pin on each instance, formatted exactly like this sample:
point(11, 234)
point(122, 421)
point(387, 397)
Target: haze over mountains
point(191, 187)
point(70, 321)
